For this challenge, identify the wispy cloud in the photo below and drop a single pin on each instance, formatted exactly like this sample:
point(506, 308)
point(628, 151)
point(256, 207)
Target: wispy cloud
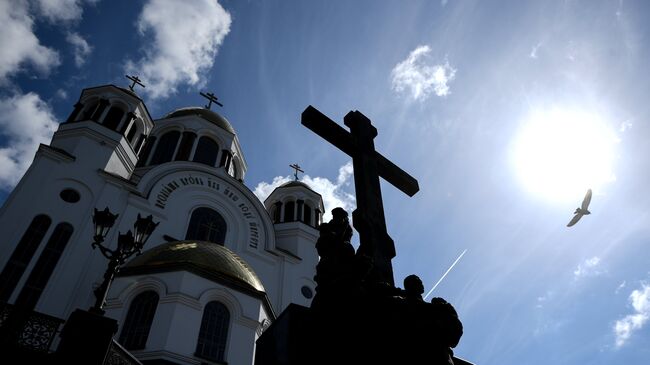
point(81, 48)
point(61, 10)
point(25, 122)
point(333, 193)
point(418, 76)
point(180, 51)
point(588, 268)
point(625, 327)
point(19, 43)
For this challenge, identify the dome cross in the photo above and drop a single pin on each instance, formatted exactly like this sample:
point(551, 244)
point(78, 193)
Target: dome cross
point(136, 80)
point(296, 167)
point(211, 99)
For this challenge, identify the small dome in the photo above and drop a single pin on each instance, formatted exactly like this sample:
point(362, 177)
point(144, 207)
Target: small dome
point(206, 259)
point(204, 113)
point(295, 183)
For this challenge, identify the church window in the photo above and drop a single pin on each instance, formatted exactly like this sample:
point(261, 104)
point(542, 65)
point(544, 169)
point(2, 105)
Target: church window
point(232, 170)
point(113, 118)
point(131, 136)
point(21, 256)
point(138, 321)
point(138, 144)
point(184, 150)
point(69, 195)
point(307, 214)
point(166, 147)
point(317, 217)
point(275, 212)
point(146, 151)
point(44, 267)
point(213, 334)
point(306, 292)
point(226, 157)
point(88, 112)
point(206, 151)
point(207, 225)
point(288, 211)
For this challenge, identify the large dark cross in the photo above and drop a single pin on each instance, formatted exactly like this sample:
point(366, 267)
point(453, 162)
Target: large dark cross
point(136, 80)
point(211, 99)
point(368, 219)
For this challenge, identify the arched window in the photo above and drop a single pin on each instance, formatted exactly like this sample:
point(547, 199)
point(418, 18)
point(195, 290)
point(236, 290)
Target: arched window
point(307, 214)
point(135, 330)
point(22, 254)
point(146, 151)
point(207, 225)
point(88, 112)
point(113, 118)
point(288, 211)
point(206, 151)
point(166, 147)
point(213, 334)
point(275, 212)
point(44, 267)
point(184, 150)
point(138, 144)
point(131, 136)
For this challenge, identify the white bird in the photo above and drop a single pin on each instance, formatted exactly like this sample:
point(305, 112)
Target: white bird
point(582, 210)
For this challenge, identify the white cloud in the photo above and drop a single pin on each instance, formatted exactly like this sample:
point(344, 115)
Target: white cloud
point(588, 268)
point(419, 77)
point(640, 300)
point(61, 94)
point(332, 192)
point(81, 48)
point(25, 122)
point(61, 10)
point(185, 40)
point(19, 43)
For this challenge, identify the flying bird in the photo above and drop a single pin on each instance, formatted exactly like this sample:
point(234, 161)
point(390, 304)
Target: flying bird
point(582, 210)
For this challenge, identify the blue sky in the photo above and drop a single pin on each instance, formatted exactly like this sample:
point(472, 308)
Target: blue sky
point(505, 111)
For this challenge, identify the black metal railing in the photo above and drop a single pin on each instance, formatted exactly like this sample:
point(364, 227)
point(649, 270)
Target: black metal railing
point(118, 355)
point(30, 330)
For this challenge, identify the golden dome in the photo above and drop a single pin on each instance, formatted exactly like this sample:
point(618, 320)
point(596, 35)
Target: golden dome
point(206, 259)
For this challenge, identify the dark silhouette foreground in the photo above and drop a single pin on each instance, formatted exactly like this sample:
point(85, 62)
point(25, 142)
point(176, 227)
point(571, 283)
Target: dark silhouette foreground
point(357, 320)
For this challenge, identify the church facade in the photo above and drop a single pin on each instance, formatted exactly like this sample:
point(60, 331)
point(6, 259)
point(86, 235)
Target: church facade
point(217, 270)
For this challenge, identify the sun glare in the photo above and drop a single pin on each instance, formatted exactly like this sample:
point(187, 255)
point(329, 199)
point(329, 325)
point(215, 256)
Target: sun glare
point(559, 154)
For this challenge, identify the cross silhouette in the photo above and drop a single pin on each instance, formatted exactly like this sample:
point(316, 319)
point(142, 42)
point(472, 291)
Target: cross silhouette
point(136, 80)
point(211, 99)
point(369, 165)
point(296, 167)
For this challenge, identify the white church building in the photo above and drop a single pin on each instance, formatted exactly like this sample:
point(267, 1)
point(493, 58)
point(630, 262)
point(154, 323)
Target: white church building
point(217, 270)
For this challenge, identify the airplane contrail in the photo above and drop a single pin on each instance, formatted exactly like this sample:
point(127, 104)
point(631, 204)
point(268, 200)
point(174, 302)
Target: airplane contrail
point(445, 274)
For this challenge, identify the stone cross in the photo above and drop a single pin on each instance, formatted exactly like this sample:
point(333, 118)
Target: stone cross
point(296, 167)
point(211, 99)
point(368, 219)
point(136, 80)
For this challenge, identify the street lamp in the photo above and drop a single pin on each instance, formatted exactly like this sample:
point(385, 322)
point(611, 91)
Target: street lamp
point(127, 244)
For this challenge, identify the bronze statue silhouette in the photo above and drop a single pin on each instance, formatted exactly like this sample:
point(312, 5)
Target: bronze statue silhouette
point(582, 210)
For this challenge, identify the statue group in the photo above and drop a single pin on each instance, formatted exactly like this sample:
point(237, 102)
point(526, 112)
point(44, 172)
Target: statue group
point(385, 322)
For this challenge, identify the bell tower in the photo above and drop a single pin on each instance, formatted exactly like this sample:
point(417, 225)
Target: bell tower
point(110, 121)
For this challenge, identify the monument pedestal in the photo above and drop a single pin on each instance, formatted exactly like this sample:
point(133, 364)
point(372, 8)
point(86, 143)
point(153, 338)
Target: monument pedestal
point(86, 338)
point(349, 335)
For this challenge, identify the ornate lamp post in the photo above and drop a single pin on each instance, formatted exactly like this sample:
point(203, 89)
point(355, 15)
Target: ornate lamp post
point(127, 244)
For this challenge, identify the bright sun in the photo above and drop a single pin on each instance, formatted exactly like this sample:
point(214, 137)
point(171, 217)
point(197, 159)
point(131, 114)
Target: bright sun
point(560, 153)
